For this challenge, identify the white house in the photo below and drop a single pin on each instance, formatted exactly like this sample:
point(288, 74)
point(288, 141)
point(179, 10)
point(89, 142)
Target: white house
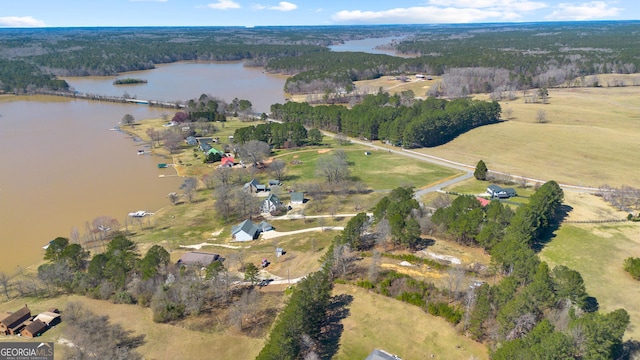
point(270, 204)
point(245, 231)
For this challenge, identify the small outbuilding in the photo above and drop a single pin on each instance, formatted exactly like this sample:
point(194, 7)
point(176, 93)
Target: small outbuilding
point(34, 329)
point(49, 318)
point(196, 258)
point(297, 198)
point(274, 183)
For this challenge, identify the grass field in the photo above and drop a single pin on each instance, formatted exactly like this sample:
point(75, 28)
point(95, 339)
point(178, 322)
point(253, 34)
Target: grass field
point(590, 138)
point(597, 251)
point(163, 341)
point(379, 171)
point(379, 322)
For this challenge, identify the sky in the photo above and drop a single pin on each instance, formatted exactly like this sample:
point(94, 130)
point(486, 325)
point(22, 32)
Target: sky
point(80, 13)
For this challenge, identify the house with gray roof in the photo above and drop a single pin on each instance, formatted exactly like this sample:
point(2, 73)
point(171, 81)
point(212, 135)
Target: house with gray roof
point(496, 191)
point(297, 198)
point(245, 231)
point(254, 186)
point(264, 226)
point(270, 204)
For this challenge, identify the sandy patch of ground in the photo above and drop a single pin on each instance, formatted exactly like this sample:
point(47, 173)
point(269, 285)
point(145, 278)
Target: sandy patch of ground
point(322, 151)
point(449, 258)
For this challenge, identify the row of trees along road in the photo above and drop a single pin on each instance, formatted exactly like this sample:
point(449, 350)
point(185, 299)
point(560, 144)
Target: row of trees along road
point(428, 122)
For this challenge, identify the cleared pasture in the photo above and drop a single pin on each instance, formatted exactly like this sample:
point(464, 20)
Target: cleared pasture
point(590, 138)
point(597, 251)
point(162, 341)
point(379, 322)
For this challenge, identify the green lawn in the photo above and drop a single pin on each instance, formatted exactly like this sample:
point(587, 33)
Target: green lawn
point(379, 171)
point(598, 252)
point(378, 322)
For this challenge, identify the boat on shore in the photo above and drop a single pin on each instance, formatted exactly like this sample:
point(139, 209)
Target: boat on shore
point(139, 214)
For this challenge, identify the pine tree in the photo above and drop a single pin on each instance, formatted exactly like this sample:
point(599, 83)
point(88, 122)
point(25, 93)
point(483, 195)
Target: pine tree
point(481, 171)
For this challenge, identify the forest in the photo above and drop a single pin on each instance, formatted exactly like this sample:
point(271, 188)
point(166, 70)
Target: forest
point(526, 55)
point(398, 119)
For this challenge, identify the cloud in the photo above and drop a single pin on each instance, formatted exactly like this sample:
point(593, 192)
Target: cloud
point(585, 11)
point(418, 15)
point(284, 6)
point(498, 5)
point(224, 5)
point(17, 21)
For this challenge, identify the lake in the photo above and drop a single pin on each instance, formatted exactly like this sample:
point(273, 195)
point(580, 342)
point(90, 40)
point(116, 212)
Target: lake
point(188, 80)
point(367, 45)
point(62, 167)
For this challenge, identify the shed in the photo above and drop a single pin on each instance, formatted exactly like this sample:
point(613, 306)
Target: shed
point(196, 258)
point(245, 231)
point(35, 329)
point(49, 318)
point(483, 202)
point(297, 197)
point(12, 324)
point(274, 183)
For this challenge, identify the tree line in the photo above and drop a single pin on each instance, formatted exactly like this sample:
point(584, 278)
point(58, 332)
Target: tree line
point(285, 135)
point(429, 122)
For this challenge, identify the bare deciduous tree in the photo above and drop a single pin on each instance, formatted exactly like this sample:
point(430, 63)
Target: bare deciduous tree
point(254, 151)
point(224, 202)
point(189, 188)
point(5, 281)
point(334, 167)
point(278, 169)
point(172, 140)
point(128, 119)
point(508, 113)
point(541, 116)
point(173, 197)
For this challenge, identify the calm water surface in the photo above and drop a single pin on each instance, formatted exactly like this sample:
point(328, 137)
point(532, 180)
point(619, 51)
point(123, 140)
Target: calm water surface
point(366, 45)
point(61, 166)
point(188, 80)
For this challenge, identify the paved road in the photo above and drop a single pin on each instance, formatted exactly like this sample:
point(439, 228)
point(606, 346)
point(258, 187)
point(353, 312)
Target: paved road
point(468, 169)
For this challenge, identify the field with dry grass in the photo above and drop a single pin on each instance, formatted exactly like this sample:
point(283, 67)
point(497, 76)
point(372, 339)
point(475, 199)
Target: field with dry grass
point(589, 139)
point(598, 251)
point(379, 322)
point(162, 341)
